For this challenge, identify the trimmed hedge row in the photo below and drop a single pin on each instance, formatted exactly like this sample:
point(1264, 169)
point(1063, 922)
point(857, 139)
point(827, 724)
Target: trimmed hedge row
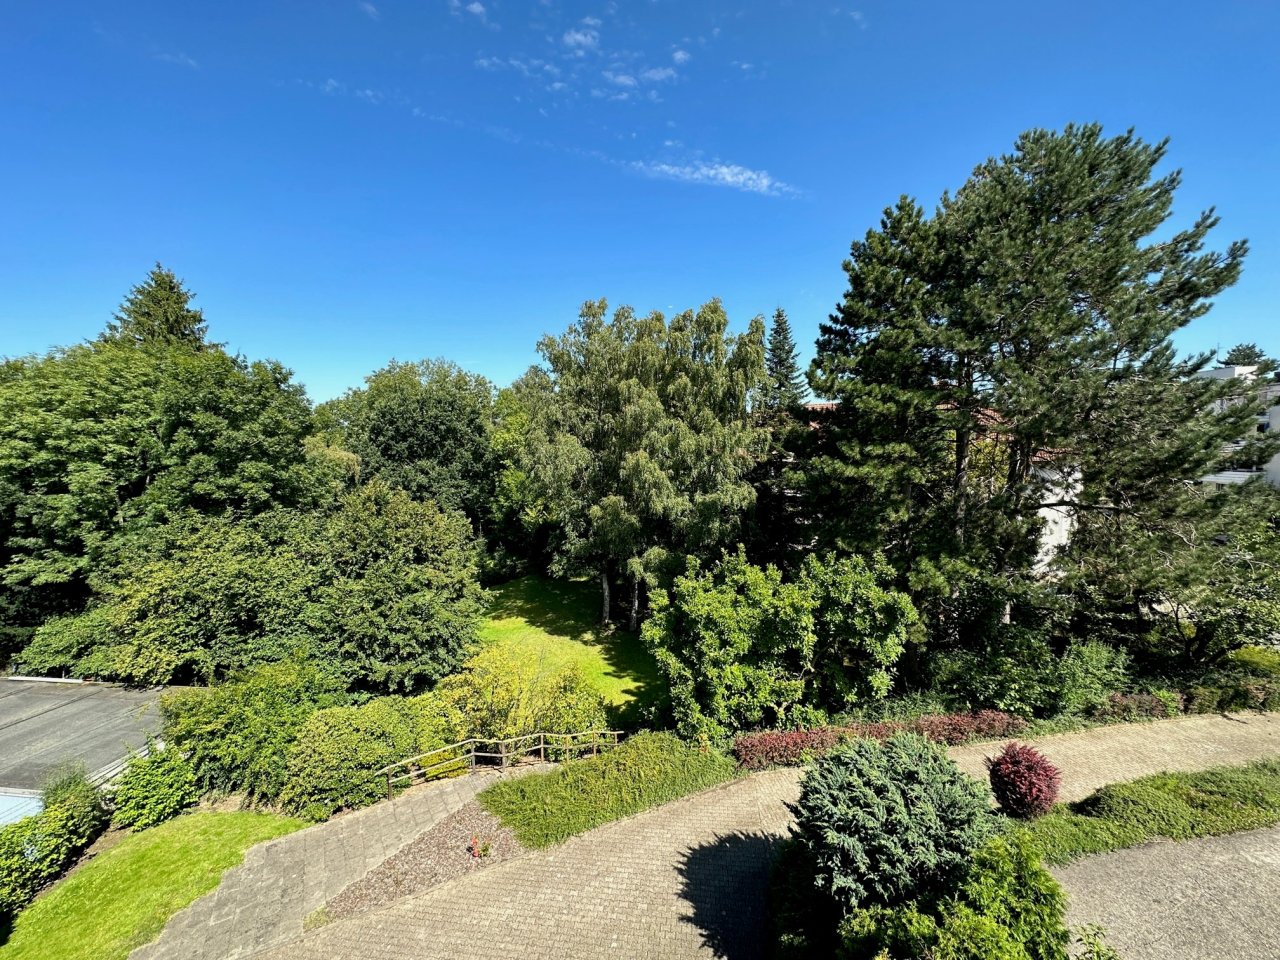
point(647, 770)
point(35, 850)
point(789, 748)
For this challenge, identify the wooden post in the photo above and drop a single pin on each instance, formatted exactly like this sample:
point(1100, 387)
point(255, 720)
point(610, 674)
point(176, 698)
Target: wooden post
point(542, 746)
point(390, 789)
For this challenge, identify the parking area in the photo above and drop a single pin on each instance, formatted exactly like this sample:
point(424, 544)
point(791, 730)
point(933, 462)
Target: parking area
point(44, 725)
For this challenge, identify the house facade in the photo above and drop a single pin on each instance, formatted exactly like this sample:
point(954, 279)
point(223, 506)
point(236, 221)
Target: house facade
point(1268, 422)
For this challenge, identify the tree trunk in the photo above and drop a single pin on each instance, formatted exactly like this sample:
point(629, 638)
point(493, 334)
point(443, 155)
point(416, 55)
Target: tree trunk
point(633, 620)
point(604, 592)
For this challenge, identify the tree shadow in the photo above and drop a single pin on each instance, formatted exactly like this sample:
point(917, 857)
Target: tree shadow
point(571, 609)
point(726, 882)
point(563, 608)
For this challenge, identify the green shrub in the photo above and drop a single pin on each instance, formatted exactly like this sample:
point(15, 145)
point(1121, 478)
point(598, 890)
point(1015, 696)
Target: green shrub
point(742, 647)
point(1088, 674)
point(887, 822)
point(334, 761)
point(500, 695)
point(1006, 907)
point(1016, 672)
point(154, 788)
point(1226, 692)
point(36, 849)
point(648, 769)
point(1258, 661)
point(237, 734)
point(1176, 806)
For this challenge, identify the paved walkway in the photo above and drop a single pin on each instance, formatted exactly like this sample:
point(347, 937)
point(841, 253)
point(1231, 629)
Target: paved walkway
point(689, 879)
point(265, 900)
point(685, 880)
point(1094, 758)
point(1210, 899)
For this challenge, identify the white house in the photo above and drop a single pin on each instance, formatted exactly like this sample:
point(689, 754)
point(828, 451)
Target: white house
point(1268, 421)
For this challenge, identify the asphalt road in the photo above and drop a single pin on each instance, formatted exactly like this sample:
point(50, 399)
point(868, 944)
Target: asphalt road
point(43, 725)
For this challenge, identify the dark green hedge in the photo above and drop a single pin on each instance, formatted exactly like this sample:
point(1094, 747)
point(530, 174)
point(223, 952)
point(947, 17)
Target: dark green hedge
point(647, 770)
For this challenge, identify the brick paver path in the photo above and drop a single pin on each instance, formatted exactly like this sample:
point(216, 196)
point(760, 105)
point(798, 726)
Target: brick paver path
point(687, 879)
point(684, 880)
point(1094, 758)
point(265, 900)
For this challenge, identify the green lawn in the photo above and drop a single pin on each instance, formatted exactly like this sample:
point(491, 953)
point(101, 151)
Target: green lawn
point(1171, 806)
point(556, 623)
point(122, 899)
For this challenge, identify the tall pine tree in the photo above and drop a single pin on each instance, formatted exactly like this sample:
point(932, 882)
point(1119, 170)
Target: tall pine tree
point(158, 310)
point(785, 388)
point(1011, 355)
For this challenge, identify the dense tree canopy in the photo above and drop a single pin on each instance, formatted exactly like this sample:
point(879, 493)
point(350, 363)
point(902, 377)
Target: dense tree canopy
point(383, 590)
point(640, 450)
point(1012, 354)
point(102, 443)
point(423, 427)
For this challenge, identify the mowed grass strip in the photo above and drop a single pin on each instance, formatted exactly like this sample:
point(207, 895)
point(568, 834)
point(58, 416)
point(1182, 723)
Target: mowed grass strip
point(645, 771)
point(1172, 806)
point(123, 898)
point(556, 623)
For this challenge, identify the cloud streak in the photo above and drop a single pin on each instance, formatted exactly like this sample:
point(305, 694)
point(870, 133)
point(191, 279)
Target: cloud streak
point(180, 59)
point(717, 174)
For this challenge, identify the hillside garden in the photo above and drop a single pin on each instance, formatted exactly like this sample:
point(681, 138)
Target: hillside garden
point(650, 530)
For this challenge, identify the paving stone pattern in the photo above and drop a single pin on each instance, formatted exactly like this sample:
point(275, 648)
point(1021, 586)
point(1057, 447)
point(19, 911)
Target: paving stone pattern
point(1094, 758)
point(1210, 899)
point(265, 900)
point(685, 880)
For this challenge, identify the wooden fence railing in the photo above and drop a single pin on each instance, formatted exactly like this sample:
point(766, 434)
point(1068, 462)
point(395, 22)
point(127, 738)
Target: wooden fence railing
point(468, 754)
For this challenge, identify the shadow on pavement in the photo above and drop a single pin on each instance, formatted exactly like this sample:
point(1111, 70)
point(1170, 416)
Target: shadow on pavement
point(726, 882)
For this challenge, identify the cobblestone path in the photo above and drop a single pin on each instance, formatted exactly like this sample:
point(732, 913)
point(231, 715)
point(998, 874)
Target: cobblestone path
point(265, 900)
point(685, 880)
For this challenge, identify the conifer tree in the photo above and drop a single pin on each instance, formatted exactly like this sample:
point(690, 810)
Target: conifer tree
point(158, 310)
point(1010, 355)
point(785, 389)
point(1244, 355)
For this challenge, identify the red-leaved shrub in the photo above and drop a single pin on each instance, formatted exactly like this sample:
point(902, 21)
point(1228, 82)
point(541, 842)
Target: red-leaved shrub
point(1024, 781)
point(789, 748)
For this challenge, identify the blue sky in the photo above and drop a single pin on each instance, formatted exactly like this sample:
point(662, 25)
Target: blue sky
point(344, 182)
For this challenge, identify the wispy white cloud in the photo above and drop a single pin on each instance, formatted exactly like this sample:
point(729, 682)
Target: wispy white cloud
point(181, 59)
point(369, 95)
point(476, 8)
point(370, 11)
point(717, 175)
point(581, 40)
point(620, 79)
point(592, 21)
point(681, 56)
point(333, 87)
point(858, 18)
point(659, 74)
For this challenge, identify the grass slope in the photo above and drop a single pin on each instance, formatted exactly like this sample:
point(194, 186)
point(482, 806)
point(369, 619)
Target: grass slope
point(555, 623)
point(122, 899)
point(1173, 806)
point(645, 771)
